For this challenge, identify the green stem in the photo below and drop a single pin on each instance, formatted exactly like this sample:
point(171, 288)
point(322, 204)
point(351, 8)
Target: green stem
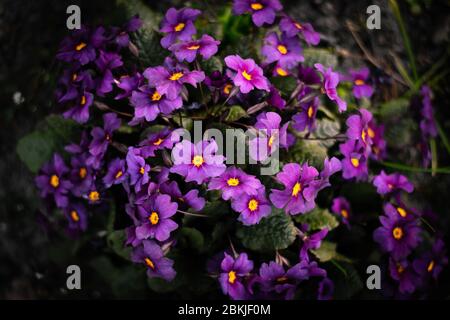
point(404, 167)
point(443, 137)
point(434, 156)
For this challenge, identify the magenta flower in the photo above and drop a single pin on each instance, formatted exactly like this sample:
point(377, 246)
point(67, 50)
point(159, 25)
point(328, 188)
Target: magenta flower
point(151, 255)
point(235, 183)
point(359, 129)
point(233, 273)
point(252, 208)
point(306, 118)
point(392, 183)
point(291, 28)
point(262, 11)
point(354, 164)
point(246, 74)
point(197, 162)
point(171, 78)
point(341, 207)
point(275, 99)
point(206, 46)
point(312, 242)
point(154, 216)
point(286, 51)
point(178, 25)
point(330, 82)
point(360, 87)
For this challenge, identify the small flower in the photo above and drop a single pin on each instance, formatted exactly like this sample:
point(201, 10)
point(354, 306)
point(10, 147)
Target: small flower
point(246, 74)
point(286, 51)
point(53, 180)
point(341, 207)
point(360, 87)
point(252, 208)
point(151, 255)
point(106, 62)
point(154, 215)
point(206, 46)
point(190, 199)
point(137, 169)
point(432, 262)
point(262, 11)
point(326, 289)
point(76, 216)
point(81, 174)
point(163, 139)
point(354, 164)
point(178, 25)
point(128, 84)
point(122, 37)
point(79, 111)
point(359, 129)
point(235, 183)
point(392, 183)
point(313, 241)
point(404, 274)
point(102, 137)
point(330, 83)
point(291, 28)
point(306, 118)
point(116, 173)
point(233, 273)
point(275, 99)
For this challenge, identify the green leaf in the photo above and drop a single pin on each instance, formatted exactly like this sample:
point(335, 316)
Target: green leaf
point(192, 238)
point(318, 219)
point(275, 232)
point(322, 56)
point(347, 281)
point(311, 151)
point(326, 252)
point(235, 113)
point(326, 128)
point(394, 108)
point(116, 241)
point(211, 65)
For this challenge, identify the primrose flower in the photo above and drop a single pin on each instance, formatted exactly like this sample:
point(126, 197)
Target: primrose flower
point(354, 164)
point(79, 110)
point(233, 273)
point(74, 81)
point(286, 51)
point(403, 272)
point(116, 173)
point(76, 216)
point(397, 235)
point(291, 28)
point(178, 25)
point(313, 241)
point(128, 84)
point(234, 183)
point(137, 169)
point(171, 78)
point(81, 174)
point(154, 215)
point(341, 207)
point(197, 162)
point(432, 262)
point(106, 62)
point(262, 11)
point(252, 208)
point(326, 289)
point(358, 127)
point(306, 118)
point(122, 37)
point(163, 139)
point(148, 103)
point(330, 82)
point(206, 46)
point(190, 199)
point(275, 99)
point(102, 137)
point(52, 180)
point(151, 255)
point(378, 147)
point(360, 87)
point(246, 74)
point(392, 183)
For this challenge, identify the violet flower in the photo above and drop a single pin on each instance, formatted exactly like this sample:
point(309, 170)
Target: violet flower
point(312, 242)
point(206, 46)
point(252, 208)
point(137, 169)
point(262, 11)
point(233, 274)
point(246, 74)
point(360, 87)
point(392, 183)
point(116, 173)
point(291, 28)
point(190, 199)
point(330, 83)
point(286, 51)
point(178, 25)
point(404, 274)
point(76, 216)
point(79, 110)
point(341, 207)
point(102, 137)
point(432, 262)
point(306, 118)
point(354, 164)
point(164, 139)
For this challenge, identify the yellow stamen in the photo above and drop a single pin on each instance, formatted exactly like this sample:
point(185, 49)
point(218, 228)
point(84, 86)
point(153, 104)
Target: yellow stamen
point(193, 47)
point(158, 142)
point(227, 88)
point(253, 205)
point(149, 263)
point(74, 216)
point(80, 46)
point(179, 27)
point(142, 170)
point(363, 135)
point(176, 76)
point(231, 277)
point(402, 212)
point(310, 112)
point(296, 189)
point(281, 72)
point(119, 174)
point(282, 49)
point(298, 26)
point(344, 213)
point(430, 266)
point(400, 268)
point(256, 6)
point(359, 82)
point(82, 172)
point(156, 96)
point(54, 181)
point(197, 161)
point(233, 182)
point(271, 140)
point(74, 77)
point(282, 279)
point(246, 75)
point(83, 100)
point(153, 218)
point(94, 196)
point(397, 233)
point(370, 132)
point(355, 162)
point(390, 186)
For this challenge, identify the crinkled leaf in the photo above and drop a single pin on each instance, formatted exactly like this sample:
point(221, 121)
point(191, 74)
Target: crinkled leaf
point(317, 55)
point(116, 241)
point(318, 219)
point(235, 113)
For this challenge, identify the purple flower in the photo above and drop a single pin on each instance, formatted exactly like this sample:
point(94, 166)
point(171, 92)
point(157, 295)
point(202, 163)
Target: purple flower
point(360, 87)
point(170, 78)
point(404, 274)
point(330, 82)
point(354, 164)
point(432, 262)
point(122, 37)
point(74, 81)
point(52, 180)
point(275, 99)
point(163, 139)
point(262, 11)
point(235, 183)
point(206, 46)
point(102, 137)
point(286, 51)
point(397, 235)
point(252, 208)
point(148, 103)
point(79, 111)
point(378, 146)
point(291, 28)
point(137, 169)
point(150, 254)
point(341, 207)
point(128, 84)
point(116, 173)
point(312, 242)
point(300, 191)
point(197, 162)
point(154, 215)
point(306, 118)
point(359, 129)
point(76, 216)
point(246, 74)
point(233, 273)
point(427, 124)
point(190, 199)
point(178, 25)
point(81, 174)
point(106, 62)
point(392, 183)
point(326, 289)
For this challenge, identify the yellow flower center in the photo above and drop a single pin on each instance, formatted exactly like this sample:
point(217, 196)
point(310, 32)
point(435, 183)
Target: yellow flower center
point(233, 182)
point(282, 49)
point(359, 82)
point(370, 132)
point(256, 6)
point(227, 88)
point(119, 174)
point(158, 142)
point(149, 263)
point(83, 100)
point(82, 172)
point(355, 162)
point(74, 216)
point(397, 233)
point(296, 189)
point(193, 47)
point(80, 46)
point(363, 135)
point(197, 161)
point(153, 218)
point(142, 170)
point(176, 76)
point(271, 140)
point(282, 279)
point(281, 72)
point(400, 268)
point(54, 181)
point(402, 212)
point(246, 75)
point(344, 213)
point(231, 277)
point(156, 96)
point(430, 266)
point(94, 195)
point(179, 27)
point(74, 77)
point(253, 205)
point(310, 112)
point(298, 26)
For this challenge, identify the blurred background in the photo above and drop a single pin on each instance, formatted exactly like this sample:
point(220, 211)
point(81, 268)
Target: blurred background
point(33, 257)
